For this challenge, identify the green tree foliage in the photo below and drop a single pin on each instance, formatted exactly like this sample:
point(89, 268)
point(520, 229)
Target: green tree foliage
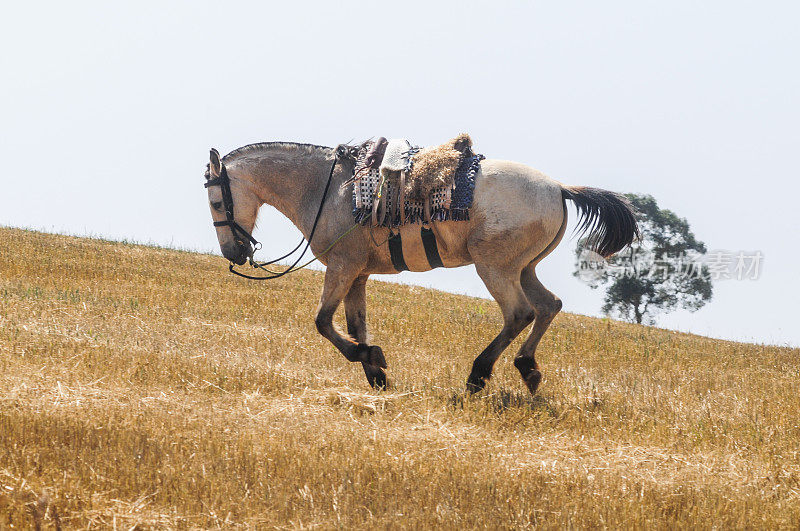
point(657, 274)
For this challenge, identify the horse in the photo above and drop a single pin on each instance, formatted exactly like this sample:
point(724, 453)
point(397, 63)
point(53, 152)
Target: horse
point(517, 217)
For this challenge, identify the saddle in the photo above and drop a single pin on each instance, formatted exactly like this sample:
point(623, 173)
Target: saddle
point(435, 167)
point(397, 182)
point(415, 173)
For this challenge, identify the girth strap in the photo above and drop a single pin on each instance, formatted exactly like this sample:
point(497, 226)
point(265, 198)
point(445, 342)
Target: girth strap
point(396, 252)
point(428, 242)
point(431, 249)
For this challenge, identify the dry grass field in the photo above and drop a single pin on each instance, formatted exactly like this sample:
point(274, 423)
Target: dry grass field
point(143, 387)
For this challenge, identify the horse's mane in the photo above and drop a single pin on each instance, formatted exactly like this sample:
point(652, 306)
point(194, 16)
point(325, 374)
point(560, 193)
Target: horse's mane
point(250, 148)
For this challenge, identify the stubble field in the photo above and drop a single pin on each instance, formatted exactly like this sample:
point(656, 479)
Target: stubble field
point(147, 387)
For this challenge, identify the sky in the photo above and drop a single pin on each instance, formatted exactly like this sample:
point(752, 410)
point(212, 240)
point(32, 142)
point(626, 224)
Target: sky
point(108, 110)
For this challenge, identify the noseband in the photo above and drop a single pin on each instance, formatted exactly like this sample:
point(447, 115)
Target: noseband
point(224, 182)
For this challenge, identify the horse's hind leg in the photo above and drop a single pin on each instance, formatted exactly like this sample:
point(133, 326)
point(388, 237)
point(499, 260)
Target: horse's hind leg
point(338, 284)
point(546, 306)
point(505, 287)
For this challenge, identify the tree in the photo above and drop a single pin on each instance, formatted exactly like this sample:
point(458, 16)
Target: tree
point(659, 273)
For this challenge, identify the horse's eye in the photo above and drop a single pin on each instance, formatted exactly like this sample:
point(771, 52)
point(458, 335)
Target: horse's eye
point(217, 205)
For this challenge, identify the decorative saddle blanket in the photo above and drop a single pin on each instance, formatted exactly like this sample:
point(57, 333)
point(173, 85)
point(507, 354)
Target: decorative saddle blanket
point(411, 185)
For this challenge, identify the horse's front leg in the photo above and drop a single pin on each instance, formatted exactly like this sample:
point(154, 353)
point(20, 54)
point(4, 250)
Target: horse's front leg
point(355, 310)
point(338, 284)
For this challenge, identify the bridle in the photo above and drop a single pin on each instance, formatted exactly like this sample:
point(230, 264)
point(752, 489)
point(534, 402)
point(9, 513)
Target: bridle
point(224, 182)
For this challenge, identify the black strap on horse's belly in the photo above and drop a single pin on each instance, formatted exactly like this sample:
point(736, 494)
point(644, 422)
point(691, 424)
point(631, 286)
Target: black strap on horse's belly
point(396, 252)
point(428, 242)
point(431, 249)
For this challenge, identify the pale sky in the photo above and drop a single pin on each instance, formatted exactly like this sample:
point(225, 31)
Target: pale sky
point(107, 112)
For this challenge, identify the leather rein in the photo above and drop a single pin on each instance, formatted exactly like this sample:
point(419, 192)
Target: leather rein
point(224, 182)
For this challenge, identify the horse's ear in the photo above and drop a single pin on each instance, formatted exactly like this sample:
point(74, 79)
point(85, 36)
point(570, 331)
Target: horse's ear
point(216, 163)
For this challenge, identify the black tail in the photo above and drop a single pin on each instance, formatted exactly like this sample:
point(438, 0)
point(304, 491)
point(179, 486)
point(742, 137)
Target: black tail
point(607, 217)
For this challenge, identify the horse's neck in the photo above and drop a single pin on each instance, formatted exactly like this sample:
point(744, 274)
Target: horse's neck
point(291, 180)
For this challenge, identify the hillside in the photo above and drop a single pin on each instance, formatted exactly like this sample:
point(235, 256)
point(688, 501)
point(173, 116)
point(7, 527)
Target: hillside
point(147, 386)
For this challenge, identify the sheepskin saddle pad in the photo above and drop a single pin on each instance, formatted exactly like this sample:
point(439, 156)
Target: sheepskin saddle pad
point(396, 182)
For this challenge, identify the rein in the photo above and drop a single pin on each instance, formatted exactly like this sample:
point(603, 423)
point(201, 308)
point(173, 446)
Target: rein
point(224, 182)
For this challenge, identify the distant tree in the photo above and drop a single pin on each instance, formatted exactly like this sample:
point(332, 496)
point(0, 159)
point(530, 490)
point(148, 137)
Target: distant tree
point(659, 273)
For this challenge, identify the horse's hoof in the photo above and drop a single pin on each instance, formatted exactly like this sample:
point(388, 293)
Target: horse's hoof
point(374, 363)
point(376, 376)
point(529, 371)
point(475, 383)
point(479, 376)
point(533, 380)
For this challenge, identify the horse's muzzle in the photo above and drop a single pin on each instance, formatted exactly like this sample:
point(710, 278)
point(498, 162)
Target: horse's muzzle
point(237, 252)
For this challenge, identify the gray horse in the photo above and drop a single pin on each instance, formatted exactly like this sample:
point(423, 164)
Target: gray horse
point(518, 216)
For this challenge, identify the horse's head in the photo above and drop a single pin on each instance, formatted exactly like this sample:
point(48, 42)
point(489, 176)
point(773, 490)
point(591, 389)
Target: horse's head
point(234, 207)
